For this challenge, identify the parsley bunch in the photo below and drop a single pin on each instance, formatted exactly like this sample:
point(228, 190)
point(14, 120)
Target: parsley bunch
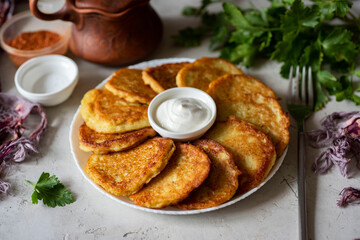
point(51, 191)
point(323, 35)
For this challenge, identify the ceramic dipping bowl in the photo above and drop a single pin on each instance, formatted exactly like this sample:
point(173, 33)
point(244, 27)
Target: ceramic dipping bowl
point(48, 80)
point(182, 92)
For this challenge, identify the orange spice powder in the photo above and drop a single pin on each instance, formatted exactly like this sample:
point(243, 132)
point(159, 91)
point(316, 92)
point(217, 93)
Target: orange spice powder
point(34, 40)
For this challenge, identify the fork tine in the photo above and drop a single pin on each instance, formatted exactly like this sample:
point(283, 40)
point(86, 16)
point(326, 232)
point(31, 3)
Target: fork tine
point(295, 93)
point(303, 85)
point(310, 88)
point(290, 91)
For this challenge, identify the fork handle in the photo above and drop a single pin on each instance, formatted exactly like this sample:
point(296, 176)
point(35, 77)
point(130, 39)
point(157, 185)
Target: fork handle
point(303, 230)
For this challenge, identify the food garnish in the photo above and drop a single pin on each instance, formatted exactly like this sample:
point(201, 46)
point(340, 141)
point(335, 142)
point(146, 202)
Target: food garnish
point(288, 32)
point(16, 143)
point(349, 195)
point(341, 134)
point(6, 10)
point(34, 40)
point(51, 191)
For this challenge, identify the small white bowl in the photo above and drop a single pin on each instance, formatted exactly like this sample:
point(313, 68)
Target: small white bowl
point(181, 92)
point(48, 80)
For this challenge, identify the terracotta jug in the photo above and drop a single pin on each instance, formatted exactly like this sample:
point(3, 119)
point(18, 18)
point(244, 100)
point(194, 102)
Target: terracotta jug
point(109, 32)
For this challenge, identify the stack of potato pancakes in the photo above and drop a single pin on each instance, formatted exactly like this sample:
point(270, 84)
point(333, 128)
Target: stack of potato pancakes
point(234, 156)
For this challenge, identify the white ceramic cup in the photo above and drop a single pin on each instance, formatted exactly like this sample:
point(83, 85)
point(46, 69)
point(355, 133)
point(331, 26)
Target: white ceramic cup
point(48, 80)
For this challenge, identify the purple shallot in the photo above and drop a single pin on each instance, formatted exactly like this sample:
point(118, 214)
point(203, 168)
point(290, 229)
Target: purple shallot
point(349, 195)
point(341, 134)
point(15, 145)
point(6, 10)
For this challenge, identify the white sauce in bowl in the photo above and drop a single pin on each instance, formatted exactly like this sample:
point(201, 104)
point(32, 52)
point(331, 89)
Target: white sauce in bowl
point(182, 114)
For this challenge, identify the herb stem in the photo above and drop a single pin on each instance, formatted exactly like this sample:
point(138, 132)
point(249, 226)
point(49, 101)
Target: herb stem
point(263, 29)
point(356, 20)
point(30, 182)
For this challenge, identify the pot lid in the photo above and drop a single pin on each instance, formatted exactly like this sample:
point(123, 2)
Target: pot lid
point(107, 5)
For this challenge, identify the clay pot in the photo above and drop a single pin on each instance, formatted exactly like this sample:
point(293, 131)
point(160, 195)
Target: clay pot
point(109, 32)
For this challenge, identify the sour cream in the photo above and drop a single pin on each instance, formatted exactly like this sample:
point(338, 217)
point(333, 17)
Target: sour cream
point(182, 114)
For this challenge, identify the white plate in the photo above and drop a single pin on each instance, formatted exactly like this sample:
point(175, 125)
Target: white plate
point(81, 157)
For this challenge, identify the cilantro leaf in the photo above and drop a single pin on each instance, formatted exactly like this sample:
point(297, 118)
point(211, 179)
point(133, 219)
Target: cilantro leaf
point(321, 98)
point(357, 73)
point(279, 3)
point(329, 81)
point(342, 7)
point(338, 45)
point(296, 25)
point(244, 53)
point(347, 91)
point(247, 29)
point(235, 16)
point(219, 38)
point(51, 191)
point(250, 37)
point(300, 17)
point(331, 8)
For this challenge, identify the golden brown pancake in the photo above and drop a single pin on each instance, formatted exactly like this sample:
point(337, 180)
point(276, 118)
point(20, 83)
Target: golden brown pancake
point(203, 71)
point(105, 112)
point(232, 86)
point(162, 77)
point(264, 112)
point(101, 143)
point(124, 173)
point(222, 182)
point(186, 170)
point(253, 151)
point(127, 83)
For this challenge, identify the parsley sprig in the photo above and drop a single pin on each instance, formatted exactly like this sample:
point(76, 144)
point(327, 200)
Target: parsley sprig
point(51, 191)
point(323, 35)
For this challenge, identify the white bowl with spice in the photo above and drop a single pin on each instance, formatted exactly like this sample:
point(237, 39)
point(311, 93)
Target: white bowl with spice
point(24, 36)
point(182, 113)
point(48, 80)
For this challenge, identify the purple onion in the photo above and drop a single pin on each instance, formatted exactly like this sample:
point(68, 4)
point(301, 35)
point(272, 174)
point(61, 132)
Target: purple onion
point(6, 10)
point(349, 196)
point(14, 145)
point(340, 133)
point(4, 186)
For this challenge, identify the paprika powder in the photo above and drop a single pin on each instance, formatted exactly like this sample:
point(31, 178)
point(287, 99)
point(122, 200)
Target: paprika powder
point(34, 40)
point(27, 45)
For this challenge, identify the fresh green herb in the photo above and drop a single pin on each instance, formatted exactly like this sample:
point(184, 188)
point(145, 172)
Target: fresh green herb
point(323, 35)
point(51, 191)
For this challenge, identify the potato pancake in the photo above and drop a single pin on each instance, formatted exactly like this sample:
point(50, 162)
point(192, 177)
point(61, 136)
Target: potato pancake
point(127, 83)
point(264, 112)
point(222, 182)
point(105, 112)
point(253, 152)
point(124, 173)
point(162, 77)
point(187, 169)
point(232, 86)
point(203, 71)
point(101, 143)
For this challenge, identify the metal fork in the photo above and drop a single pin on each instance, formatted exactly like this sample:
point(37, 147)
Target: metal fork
point(300, 104)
